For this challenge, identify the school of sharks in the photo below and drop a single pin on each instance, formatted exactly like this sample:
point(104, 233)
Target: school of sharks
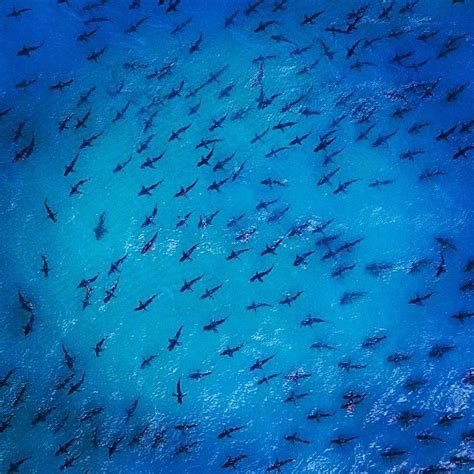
point(236, 235)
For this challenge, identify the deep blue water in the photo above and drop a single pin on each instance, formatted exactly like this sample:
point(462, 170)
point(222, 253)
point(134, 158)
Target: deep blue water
point(405, 221)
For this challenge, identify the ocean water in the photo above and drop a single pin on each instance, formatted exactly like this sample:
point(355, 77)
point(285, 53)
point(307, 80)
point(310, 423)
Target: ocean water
point(398, 224)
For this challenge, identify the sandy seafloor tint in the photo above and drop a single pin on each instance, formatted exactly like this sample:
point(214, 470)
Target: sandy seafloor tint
point(398, 225)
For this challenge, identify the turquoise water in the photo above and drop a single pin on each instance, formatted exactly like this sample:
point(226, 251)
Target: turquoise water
point(398, 224)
